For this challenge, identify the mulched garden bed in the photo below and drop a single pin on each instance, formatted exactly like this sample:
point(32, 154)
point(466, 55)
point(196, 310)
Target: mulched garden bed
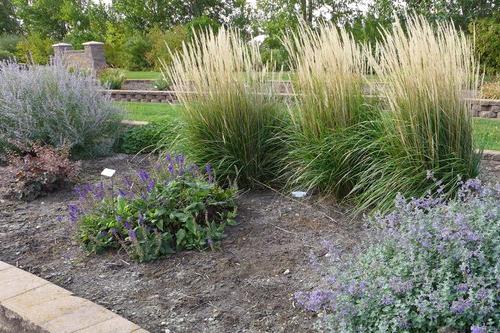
point(246, 286)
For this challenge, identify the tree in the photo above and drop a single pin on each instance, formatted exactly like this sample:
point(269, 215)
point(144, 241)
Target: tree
point(8, 21)
point(42, 17)
point(461, 12)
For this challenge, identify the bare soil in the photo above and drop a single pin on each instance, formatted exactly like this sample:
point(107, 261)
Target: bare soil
point(246, 286)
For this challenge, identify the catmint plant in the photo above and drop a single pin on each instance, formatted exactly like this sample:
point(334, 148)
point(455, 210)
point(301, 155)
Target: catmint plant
point(431, 265)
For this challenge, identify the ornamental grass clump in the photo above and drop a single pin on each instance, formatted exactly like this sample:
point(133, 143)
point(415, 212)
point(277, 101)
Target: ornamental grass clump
point(52, 106)
point(426, 72)
point(431, 265)
point(230, 116)
point(174, 207)
point(332, 123)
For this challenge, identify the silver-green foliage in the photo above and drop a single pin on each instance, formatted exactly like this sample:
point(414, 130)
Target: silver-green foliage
point(51, 105)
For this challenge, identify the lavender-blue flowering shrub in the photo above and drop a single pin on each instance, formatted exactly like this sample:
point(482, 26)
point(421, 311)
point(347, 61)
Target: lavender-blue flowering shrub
point(174, 207)
point(50, 105)
point(431, 265)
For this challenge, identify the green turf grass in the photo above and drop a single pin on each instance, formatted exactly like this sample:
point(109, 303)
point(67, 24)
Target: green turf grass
point(487, 133)
point(149, 111)
point(132, 75)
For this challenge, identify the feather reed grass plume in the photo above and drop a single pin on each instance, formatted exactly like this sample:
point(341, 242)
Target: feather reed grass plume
point(331, 120)
point(426, 70)
point(330, 68)
point(230, 113)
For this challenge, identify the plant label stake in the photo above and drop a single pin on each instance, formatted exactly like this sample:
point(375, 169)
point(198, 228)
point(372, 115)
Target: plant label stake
point(108, 173)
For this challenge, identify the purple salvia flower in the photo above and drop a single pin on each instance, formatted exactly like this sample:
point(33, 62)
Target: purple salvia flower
point(171, 169)
point(132, 235)
point(74, 212)
point(118, 218)
point(209, 172)
point(150, 185)
point(127, 224)
point(143, 175)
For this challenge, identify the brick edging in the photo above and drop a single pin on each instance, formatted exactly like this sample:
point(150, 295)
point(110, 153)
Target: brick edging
point(29, 304)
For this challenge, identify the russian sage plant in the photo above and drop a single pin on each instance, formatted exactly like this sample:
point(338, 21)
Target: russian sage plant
point(55, 107)
point(174, 207)
point(431, 265)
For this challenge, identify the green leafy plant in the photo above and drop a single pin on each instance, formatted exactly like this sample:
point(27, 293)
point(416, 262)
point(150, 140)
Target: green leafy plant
point(173, 208)
point(112, 78)
point(145, 139)
point(231, 117)
point(35, 49)
point(6, 56)
point(162, 84)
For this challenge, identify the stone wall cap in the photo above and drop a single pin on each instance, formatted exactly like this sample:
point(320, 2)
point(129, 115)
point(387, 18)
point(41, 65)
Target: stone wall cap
point(93, 43)
point(62, 44)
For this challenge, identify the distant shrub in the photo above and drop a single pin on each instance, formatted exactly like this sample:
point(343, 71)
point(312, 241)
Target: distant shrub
point(162, 84)
point(6, 55)
point(8, 42)
point(135, 49)
point(162, 41)
point(175, 207)
point(486, 34)
point(429, 266)
point(39, 170)
point(35, 49)
point(50, 105)
point(491, 90)
point(145, 139)
point(112, 78)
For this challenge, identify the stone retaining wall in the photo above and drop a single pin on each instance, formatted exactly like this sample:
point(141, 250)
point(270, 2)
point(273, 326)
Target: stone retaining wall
point(485, 108)
point(143, 96)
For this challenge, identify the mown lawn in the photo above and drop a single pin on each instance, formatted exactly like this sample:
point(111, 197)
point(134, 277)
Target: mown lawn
point(132, 75)
point(486, 131)
point(149, 111)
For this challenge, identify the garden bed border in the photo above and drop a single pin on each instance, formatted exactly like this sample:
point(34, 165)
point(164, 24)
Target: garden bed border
point(29, 304)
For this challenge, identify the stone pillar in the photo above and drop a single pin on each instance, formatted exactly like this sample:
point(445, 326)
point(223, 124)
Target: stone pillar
point(94, 51)
point(60, 48)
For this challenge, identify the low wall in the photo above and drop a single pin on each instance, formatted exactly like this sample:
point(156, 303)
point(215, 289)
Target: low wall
point(484, 108)
point(143, 96)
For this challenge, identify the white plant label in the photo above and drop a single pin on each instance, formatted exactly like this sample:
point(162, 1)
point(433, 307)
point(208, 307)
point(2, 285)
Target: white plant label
point(108, 172)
